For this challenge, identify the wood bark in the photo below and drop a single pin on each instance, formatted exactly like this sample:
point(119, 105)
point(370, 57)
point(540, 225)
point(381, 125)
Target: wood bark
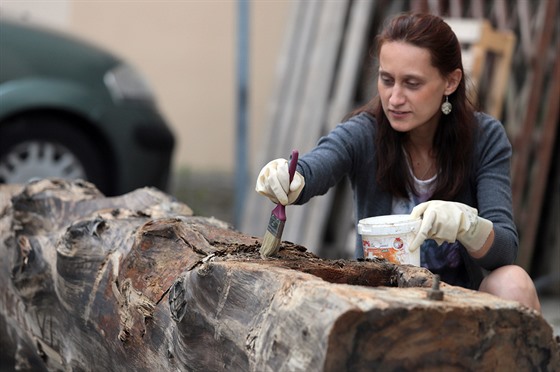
point(136, 282)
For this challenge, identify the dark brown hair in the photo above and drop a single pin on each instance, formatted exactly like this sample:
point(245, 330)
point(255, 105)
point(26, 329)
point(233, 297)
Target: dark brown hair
point(453, 141)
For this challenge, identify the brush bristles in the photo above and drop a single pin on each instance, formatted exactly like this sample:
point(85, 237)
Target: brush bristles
point(270, 245)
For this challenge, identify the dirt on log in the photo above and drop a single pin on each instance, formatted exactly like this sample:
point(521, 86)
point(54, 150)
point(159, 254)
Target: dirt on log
point(136, 282)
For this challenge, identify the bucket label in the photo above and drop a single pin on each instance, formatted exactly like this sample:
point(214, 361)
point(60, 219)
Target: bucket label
point(393, 251)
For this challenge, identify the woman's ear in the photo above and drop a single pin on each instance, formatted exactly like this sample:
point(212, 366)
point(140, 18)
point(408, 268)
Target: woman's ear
point(453, 80)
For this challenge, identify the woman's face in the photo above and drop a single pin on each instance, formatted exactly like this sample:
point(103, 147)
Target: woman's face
point(410, 88)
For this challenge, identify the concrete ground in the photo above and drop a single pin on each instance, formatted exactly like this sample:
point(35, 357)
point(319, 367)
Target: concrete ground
point(209, 194)
point(551, 312)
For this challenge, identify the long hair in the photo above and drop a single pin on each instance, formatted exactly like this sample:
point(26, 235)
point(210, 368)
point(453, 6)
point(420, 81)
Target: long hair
point(454, 137)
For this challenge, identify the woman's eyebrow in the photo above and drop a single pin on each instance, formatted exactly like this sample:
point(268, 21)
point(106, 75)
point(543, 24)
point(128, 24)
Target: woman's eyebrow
point(405, 77)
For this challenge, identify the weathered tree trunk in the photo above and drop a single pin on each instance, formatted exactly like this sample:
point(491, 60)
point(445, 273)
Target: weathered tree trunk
point(137, 283)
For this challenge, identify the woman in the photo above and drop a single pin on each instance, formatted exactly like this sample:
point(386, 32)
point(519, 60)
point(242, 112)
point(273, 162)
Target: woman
point(419, 147)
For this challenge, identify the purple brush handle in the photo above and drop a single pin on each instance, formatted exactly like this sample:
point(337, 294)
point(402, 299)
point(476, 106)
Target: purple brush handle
point(280, 210)
point(293, 164)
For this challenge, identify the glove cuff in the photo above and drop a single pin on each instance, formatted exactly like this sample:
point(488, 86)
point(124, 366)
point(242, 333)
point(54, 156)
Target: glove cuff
point(474, 238)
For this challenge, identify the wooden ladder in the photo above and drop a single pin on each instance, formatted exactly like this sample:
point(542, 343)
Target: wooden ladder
point(479, 42)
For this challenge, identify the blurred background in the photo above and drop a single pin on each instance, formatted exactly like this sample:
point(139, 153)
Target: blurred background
point(238, 83)
point(187, 51)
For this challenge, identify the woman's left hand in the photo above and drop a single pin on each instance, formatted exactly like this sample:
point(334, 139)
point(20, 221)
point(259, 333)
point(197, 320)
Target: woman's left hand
point(446, 221)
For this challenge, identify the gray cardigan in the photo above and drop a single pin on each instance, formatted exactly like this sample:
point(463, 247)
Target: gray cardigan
point(348, 151)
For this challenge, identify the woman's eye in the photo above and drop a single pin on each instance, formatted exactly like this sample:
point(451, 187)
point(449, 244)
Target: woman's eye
point(413, 84)
point(386, 80)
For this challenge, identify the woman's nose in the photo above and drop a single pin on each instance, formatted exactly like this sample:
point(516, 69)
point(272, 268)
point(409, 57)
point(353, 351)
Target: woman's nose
point(397, 97)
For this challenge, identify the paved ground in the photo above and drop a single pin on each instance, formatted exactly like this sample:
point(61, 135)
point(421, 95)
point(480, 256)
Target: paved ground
point(209, 194)
point(551, 312)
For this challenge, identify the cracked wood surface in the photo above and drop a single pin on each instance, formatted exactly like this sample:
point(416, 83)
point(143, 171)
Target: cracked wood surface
point(136, 282)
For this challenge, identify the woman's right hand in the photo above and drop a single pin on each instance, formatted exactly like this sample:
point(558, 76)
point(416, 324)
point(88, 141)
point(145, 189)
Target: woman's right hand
point(274, 183)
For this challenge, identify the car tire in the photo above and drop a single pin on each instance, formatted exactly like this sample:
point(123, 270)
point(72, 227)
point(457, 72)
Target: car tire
point(44, 146)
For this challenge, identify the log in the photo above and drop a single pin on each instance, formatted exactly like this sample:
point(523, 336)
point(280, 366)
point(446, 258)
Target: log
point(137, 282)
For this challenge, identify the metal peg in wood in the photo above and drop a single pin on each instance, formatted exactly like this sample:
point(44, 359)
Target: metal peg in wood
point(435, 293)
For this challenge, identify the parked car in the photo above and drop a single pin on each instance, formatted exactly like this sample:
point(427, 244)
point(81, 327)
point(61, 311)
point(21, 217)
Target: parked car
point(69, 109)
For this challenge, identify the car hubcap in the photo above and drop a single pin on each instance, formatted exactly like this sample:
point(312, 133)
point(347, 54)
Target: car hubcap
point(37, 159)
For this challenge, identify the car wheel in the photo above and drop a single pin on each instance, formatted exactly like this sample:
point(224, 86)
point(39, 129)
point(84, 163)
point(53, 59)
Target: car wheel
point(43, 146)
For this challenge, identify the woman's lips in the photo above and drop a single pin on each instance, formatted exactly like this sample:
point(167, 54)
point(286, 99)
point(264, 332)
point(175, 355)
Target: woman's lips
point(398, 114)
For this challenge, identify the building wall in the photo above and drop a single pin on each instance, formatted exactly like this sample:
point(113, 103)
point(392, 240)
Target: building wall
point(187, 51)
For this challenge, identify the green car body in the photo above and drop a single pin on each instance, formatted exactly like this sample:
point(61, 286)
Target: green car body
point(71, 110)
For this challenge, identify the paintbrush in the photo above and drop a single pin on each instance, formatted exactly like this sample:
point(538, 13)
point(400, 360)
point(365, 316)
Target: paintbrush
point(272, 238)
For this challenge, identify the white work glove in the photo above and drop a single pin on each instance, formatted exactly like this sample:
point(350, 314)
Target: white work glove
point(450, 221)
point(274, 182)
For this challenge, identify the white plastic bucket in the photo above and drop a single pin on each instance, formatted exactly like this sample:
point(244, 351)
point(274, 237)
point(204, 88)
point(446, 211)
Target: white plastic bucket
point(389, 237)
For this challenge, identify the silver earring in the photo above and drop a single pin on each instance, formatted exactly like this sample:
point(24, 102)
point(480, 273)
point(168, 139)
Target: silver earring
point(446, 106)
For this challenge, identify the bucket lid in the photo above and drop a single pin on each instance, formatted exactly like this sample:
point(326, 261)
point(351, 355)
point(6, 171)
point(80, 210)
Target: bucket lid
point(388, 225)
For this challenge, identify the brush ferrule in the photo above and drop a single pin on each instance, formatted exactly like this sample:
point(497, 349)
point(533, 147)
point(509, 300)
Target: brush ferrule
point(276, 227)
